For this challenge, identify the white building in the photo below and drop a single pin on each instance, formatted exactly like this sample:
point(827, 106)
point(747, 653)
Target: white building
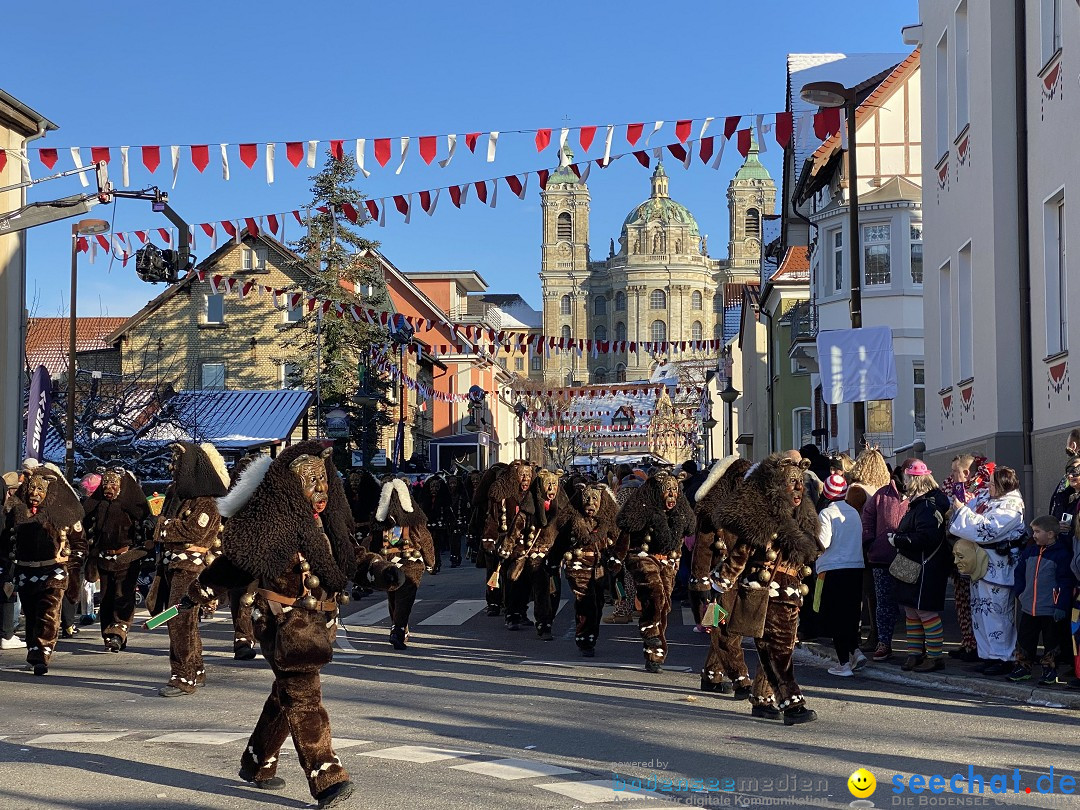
point(1000, 112)
point(888, 140)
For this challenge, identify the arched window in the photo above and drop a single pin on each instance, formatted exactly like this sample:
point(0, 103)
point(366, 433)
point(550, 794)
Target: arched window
point(718, 303)
point(695, 300)
point(564, 305)
point(695, 331)
point(568, 376)
point(657, 299)
point(620, 373)
point(600, 375)
point(620, 301)
point(599, 305)
point(753, 222)
point(566, 333)
point(620, 331)
point(564, 230)
point(600, 333)
point(659, 331)
point(718, 332)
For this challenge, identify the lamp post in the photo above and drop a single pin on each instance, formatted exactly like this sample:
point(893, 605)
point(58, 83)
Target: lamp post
point(729, 395)
point(520, 410)
point(84, 227)
point(708, 424)
point(834, 94)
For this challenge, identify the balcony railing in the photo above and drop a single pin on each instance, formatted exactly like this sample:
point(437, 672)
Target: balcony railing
point(804, 321)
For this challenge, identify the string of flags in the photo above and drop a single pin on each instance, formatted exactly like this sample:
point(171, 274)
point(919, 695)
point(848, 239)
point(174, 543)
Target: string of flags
point(781, 126)
point(424, 392)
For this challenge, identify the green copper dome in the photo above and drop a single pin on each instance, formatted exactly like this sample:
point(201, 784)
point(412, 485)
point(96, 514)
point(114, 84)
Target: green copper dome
point(564, 174)
point(661, 207)
point(752, 168)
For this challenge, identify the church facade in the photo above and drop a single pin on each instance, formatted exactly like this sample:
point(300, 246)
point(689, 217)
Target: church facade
point(658, 284)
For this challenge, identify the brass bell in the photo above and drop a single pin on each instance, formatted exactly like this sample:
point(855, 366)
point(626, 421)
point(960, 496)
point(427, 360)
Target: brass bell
point(577, 553)
point(568, 556)
point(217, 543)
point(764, 576)
point(771, 555)
point(807, 570)
point(309, 602)
point(305, 566)
point(648, 537)
point(644, 546)
point(247, 599)
point(804, 589)
point(717, 546)
point(343, 598)
point(311, 582)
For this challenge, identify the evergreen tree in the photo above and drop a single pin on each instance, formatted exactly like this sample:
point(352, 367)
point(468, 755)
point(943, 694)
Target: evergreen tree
point(334, 354)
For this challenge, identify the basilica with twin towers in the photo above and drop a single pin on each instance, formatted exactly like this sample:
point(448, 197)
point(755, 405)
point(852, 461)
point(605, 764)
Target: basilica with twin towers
point(659, 282)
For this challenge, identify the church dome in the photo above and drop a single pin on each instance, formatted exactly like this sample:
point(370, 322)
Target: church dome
point(660, 207)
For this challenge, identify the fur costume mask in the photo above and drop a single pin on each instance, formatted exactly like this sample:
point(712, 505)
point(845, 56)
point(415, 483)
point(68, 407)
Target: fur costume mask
point(271, 518)
point(396, 507)
point(545, 498)
point(646, 513)
point(595, 504)
point(770, 507)
point(129, 496)
point(49, 493)
point(198, 471)
point(508, 485)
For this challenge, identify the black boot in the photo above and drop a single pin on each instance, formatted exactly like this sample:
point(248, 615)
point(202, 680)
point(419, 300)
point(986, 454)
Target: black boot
point(587, 652)
point(800, 714)
point(454, 561)
point(243, 651)
point(335, 795)
point(273, 783)
point(543, 631)
point(493, 610)
point(653, 667)
point(113, 643)
point(765, 711)
point(397, 637)
point(707, 685)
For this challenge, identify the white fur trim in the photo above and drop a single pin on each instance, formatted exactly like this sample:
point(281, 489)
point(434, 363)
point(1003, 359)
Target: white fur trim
point(610, 494)
point(388, 489)
point(715, 474)
point(404, 495)
point(246, 484)
point(750, 472)
point(216, 460)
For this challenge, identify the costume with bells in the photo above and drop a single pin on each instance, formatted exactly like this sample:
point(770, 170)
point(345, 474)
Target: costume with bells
point(776, 532)
point(43, 537)
point(289, 538)
point(584, 546)
point(483, 531)
point(399, 533)
point(653, 522)
point(115, 514)
point(718, 559)
point(434, 497)
point(189, 531)
point(504, 496)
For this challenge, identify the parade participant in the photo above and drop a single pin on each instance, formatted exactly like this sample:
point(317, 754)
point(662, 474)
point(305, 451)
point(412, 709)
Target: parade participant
point(479, 526)
point(584, 546)
point(434, 497)
point(288, 536)
point(189, 532)
point(399, 533)
point(114, 517)
point(43, 539)
point(503, 495)
point(240, 608)
point(777, 527)
point(725, 666)
point(542, 510)
point(458, 518)
point(653, 523)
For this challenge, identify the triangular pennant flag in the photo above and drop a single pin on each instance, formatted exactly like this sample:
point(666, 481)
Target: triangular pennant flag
point(48, 157)
point(252, 226)
point(633, 133)
point(471, 139)
point(337, 150)
point(516, 185)
point(827, 122)
point(99, 154)
point(642, 157)
point(682, 130)
point(744, 141)
point(451, 147)
point(543, 174)
point(731, 124)
point(429, 147)
point(783, 129)
point(200, 156)
point(230, 229)
point(294, 152)
point(705, 150)
point(401, 204)
point(249, 153)
point(372, 208)
point(349, 212)
point(543, 139)
point(678, 151)
point(382, 151)
point(481, 190)
point(585, 137)
point(151, 158)
point(455, 196)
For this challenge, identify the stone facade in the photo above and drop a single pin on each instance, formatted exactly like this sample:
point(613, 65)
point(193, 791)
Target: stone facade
point(658, 284)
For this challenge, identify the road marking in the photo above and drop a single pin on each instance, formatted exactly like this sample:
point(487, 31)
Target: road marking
point(688, 617)
point(346, 743)
point(201, 737)
point(457, 613)
point(418, 753)
point(595, 792)
point(599, 664)
point(79, 737)
point(510, 769)
point(370, 616)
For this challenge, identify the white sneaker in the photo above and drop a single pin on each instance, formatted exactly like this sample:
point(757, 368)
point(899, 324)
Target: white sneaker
point(13, 643)
point(844, 670)
point(858, 660)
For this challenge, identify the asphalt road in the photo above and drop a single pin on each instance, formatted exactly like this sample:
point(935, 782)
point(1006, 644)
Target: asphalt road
point(475, 716)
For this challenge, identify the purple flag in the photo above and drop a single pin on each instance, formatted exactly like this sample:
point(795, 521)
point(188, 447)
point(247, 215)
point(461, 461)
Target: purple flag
point(37, 413)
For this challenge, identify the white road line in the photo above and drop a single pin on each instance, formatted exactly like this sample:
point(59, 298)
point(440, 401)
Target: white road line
point(595, 792)
point(599, 665)
point(370, 616)
point(346, 743)
point(79, 737)
point(457, 613)
point(418, 753)
point(201, 737)
point(688, 617)
point(510, 769)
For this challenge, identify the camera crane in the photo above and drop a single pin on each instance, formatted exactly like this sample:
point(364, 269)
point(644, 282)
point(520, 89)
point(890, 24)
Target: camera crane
point(151, 263)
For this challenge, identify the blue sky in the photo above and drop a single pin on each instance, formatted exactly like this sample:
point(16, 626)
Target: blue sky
point(133, 73)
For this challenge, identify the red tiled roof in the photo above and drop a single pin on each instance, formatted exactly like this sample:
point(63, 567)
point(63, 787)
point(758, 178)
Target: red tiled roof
point(795, 266)
point(47, 339)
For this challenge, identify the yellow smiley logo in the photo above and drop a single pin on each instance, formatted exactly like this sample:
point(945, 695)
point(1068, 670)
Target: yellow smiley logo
point(862, 783)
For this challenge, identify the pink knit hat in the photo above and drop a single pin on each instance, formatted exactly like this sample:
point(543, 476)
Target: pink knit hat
point(90, 483)
point(836, 487)
point(917, 468)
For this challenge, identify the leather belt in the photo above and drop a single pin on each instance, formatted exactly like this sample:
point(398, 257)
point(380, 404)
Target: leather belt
point(790, 570)
point(327, 606)
point(115, 551)
point(43, 563)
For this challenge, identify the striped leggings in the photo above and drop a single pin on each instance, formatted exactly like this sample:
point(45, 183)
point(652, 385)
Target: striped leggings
point(924, 632)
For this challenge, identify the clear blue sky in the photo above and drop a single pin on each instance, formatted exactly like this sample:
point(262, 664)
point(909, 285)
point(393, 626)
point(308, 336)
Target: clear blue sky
point(134, 73)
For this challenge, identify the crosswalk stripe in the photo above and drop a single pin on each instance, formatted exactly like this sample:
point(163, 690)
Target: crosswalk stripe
point(510, 769)
point(418, 753)
point(79, 737)
point(595, 792)
point(599, 665)
point(459, 612)
point(369, 616)
point(200, 737)
point(688, 617)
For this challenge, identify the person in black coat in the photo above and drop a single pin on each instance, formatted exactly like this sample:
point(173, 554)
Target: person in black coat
point(920, 539)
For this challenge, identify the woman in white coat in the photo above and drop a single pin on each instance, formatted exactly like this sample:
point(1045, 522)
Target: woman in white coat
point(997, 524)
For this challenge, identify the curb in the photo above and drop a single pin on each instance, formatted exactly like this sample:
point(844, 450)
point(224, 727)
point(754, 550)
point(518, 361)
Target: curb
point(819, 655)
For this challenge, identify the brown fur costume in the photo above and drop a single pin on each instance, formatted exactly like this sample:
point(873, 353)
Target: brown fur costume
point(651, 542)
point(774, 542)
point(115, 537)
point(189, 531)
point(48, 548)
point(584, 546)
point(399, 533)
point(434, 498)
point(500, 492)
point(273, 538)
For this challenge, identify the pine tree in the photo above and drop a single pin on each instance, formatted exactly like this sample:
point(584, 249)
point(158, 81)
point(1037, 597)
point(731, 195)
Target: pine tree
point(334, 353)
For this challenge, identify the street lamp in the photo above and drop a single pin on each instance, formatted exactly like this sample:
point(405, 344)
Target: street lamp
point(84, 227)
point(708, 424)
point(729, 395)
point(520, 411)
point(834, 94)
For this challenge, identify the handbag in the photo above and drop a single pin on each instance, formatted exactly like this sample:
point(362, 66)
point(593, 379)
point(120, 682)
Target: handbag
point(905, 570)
